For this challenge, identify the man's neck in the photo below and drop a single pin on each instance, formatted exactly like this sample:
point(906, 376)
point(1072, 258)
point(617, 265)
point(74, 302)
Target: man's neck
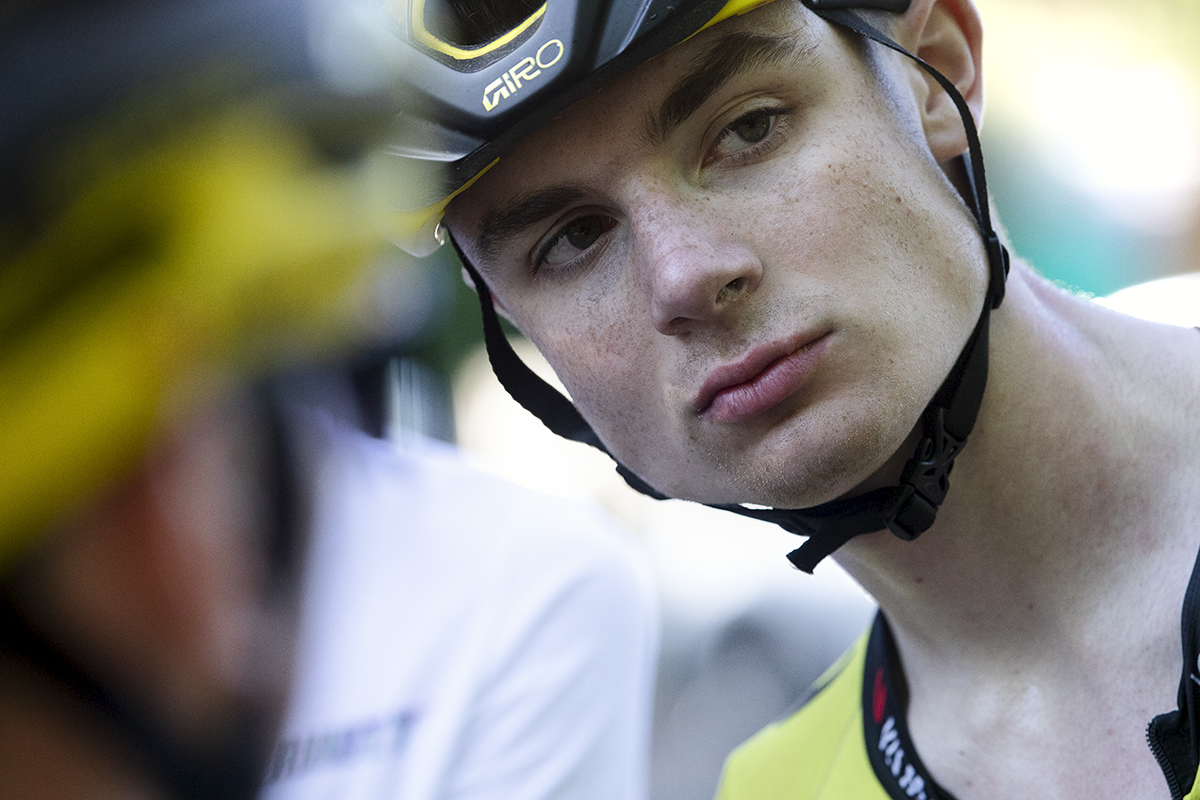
point(1038, 620)
point(1072, 490)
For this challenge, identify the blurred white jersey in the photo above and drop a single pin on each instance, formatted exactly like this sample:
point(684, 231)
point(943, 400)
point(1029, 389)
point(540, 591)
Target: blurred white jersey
point(463, 638)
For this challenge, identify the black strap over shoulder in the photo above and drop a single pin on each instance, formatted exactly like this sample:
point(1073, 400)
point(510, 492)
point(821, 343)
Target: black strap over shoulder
point(1174, 737)
point(907, 509)
point(890, 749)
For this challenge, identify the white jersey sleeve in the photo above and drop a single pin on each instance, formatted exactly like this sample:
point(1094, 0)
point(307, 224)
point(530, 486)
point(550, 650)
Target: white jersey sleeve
point(463, 638)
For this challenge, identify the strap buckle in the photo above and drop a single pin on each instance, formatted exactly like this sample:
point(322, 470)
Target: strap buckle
point(910, 515)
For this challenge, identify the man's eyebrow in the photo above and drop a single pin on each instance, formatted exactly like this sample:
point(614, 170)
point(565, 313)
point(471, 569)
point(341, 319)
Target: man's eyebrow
point(514, 217)
point(725, 59)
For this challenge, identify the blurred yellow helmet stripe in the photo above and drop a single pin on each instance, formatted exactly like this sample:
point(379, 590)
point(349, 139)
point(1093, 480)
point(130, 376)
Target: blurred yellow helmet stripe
point(732, 9)
point(239, 249)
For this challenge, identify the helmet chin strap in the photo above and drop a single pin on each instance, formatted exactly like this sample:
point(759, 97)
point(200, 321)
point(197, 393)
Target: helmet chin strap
point(907, 509)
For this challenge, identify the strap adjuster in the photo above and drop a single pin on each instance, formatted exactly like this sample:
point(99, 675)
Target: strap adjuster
point(998, 261)
point(911, 514)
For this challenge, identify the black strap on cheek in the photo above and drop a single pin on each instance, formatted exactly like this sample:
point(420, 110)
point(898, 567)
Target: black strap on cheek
point(998, 260)
point(523, 384)
point(526, 387)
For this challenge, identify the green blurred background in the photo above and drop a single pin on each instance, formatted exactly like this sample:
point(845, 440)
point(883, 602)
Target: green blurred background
point(1092, 135)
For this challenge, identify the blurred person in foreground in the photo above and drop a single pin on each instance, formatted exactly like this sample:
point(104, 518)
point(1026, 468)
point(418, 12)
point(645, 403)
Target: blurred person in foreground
point(182, 211)
point(755, 242)
point(186, 213)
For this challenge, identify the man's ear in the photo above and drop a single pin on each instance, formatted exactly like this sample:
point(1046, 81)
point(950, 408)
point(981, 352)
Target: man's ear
point(948, 35)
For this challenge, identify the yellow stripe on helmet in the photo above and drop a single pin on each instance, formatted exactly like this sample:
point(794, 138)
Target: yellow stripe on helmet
point(732, 9)
point(246, 249)
point(415, 231)
point(421, 34)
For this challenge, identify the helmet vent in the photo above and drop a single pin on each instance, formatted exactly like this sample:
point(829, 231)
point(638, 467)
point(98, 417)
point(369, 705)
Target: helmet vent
point(471, 23)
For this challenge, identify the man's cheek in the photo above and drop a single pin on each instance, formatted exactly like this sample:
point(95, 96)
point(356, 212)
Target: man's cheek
point(603, 368)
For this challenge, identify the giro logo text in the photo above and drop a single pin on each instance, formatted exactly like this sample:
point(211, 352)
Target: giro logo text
point(510, 82)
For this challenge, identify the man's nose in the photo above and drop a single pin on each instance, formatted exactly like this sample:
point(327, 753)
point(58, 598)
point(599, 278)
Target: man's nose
point(697, 269)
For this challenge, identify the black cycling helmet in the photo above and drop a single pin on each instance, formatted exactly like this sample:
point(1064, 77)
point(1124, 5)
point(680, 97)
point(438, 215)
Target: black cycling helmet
point(475, 99)
point(471, 101)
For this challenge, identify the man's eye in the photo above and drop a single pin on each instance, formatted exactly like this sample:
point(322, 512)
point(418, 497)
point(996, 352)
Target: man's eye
point(753, 127)
point(572, 240)
point(749, 137)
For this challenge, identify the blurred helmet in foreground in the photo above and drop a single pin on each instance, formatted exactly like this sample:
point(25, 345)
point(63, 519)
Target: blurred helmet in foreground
point(184, 200)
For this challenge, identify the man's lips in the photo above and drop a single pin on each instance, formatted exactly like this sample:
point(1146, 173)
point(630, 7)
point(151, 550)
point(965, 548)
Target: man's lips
point(762, 379)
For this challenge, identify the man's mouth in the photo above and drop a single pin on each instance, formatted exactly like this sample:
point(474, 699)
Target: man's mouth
point(760, 380)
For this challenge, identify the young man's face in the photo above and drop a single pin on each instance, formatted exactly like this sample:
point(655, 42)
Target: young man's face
point(742, 260)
